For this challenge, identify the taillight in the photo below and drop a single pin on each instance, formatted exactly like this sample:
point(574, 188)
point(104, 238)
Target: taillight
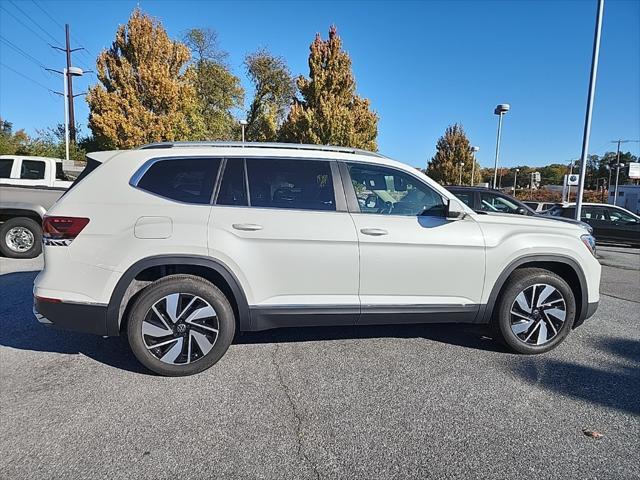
point(62, 229)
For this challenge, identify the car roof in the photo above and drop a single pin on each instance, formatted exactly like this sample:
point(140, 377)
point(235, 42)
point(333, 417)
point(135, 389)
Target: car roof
point(30, 157)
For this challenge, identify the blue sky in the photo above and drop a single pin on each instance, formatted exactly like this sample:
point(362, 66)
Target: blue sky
point(423, 65)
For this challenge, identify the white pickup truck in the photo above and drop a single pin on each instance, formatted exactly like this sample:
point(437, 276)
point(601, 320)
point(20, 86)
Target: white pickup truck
point(29, 186)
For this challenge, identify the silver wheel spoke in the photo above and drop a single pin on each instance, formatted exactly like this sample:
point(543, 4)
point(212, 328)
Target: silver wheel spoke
point(542, 333)
point(546, 292)
point(174, 352)
point(202, 341)
point(524, 317)
point(533, 330)
point(204, 312)
point(155, 331)
point(161, 318)
point(557, 313)
point(161, 344)
point(172, 306)
point(521, 327)
point(523, 303)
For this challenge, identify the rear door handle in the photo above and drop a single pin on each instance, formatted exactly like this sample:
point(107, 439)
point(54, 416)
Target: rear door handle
point(375, 232)
point(247, 227)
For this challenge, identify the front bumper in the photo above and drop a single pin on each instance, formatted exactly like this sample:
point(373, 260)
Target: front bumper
point(78, 317)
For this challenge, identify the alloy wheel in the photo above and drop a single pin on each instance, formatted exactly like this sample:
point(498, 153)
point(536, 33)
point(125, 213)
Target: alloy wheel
point(538, 314)
point(180, 328)
point(19, 239)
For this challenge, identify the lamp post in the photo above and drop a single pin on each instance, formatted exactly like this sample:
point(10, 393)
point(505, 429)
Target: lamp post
point(515, 179)
point(473, 162)
point(243, 123)
point(68, 72)
point(500, 110)
point(461, 165)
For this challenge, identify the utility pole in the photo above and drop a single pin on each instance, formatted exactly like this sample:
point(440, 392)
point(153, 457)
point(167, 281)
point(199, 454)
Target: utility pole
point(615, 192)
point(71, 124)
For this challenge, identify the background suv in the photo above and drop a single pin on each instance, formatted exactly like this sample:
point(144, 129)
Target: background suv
point(181, 245)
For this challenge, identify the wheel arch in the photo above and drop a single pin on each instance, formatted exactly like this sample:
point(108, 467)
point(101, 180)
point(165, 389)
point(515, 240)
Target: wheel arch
point(147, 270)
point(565, 267)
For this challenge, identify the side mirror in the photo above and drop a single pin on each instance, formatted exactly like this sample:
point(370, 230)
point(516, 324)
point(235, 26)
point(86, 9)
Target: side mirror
point(521, 211)
point(454, 210)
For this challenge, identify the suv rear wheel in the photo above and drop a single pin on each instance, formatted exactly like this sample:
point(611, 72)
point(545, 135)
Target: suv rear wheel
point(535, 312)
point(180, 325)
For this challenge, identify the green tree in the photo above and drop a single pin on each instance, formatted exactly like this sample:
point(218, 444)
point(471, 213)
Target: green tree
point(11, 142)
point(218, 90)
point(452, 149)
point(330, 111)
point(274, 90)
point(145, 94)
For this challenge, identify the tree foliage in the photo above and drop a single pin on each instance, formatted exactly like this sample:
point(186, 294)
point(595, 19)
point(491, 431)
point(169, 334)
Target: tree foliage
point(452, 149)
point(218, 90)
point(46, 143)
point(144, 95)
point(330, 111)
point(274, 90)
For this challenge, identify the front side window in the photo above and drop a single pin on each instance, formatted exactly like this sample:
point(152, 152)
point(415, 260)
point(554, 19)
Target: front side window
point(495, 203)
point(32, 170)
point(593, 213)
point(5, 167)
point(299, 184)
point(188, 180)
point(387, 191)
point(618, 216)
point(466, 197)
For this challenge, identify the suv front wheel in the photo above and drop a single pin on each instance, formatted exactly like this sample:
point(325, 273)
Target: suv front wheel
point(180, 325)
point(536, 311)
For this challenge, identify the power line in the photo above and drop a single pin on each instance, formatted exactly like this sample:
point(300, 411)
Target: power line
point(26, 77)
point(25, 25)
point(22, 52)
point(32, 20)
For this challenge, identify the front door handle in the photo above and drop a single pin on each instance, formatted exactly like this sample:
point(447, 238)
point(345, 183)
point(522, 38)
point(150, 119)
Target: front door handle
point(247, 227)
point(375, 232)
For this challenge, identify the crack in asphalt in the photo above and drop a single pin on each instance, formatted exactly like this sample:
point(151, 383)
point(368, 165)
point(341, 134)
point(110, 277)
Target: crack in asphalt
point(619, 298)
point(298, 429)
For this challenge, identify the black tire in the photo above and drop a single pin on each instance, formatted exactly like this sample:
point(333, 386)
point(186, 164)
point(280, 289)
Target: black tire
point(518, 282)
point(28, 224)
point(186, 285)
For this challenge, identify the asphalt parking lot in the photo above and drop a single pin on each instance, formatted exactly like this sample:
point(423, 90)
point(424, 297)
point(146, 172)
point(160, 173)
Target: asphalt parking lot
point(425, 401)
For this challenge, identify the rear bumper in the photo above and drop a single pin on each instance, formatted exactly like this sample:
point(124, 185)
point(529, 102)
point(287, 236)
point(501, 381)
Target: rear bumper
point(78, 317)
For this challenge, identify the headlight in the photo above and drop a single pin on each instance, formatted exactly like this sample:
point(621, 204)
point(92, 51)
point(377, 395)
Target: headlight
point(590, 242)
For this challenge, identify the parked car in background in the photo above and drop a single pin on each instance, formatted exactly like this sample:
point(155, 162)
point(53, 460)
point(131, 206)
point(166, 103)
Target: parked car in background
point(28, 187)
point(609, 222)
point(181, 244)
point(487, 200)
point(33, 171)
point(540, 206)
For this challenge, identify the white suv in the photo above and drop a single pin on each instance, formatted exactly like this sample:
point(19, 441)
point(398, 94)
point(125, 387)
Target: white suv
point(181, 245)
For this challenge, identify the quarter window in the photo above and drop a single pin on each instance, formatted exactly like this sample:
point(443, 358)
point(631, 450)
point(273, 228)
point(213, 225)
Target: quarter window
point(495, 203)
point(387, 191)
point(299, 184)
point(32, 170)
point(188, 180)
point(5, 167)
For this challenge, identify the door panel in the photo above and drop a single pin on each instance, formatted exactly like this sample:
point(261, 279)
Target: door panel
point(287, 259)
point(414, 261)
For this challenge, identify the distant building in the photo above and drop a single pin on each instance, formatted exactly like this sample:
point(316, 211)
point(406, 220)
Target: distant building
point(628, 197)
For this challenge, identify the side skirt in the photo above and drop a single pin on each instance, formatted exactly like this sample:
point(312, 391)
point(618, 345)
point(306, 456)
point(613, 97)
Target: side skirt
point(264, 318)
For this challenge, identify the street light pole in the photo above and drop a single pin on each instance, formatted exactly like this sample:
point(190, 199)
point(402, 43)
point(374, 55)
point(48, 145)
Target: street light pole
point(590, 97)
point(473, 164)
point(66, 115)
point(500, 110)
point(515, 179)
point(461, 165)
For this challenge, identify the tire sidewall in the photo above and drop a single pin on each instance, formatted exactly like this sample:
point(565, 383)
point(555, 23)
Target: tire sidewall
point(180, 284)
point(508, 297)
point(29, 224)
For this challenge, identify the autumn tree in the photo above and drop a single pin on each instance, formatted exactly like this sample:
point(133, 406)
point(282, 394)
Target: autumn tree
point(452, 149)
point(330, 111)
point(274, 90)
point(218, 90)
point(145, 94)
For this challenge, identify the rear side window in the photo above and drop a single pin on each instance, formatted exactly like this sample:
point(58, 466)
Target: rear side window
point(5, 167)
point(299, 184)
point(188, 180)
point(32, 170)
